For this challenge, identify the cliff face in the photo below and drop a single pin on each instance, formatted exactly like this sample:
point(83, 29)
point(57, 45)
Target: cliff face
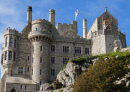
point(68, 75)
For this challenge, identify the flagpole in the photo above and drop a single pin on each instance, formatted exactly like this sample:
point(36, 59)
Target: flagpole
point(75, 17)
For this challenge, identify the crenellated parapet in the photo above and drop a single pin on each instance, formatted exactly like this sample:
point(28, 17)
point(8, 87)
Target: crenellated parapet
point(63, 28)
point(10, 31)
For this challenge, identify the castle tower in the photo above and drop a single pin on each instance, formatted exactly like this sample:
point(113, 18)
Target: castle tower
point(9, 50)
point(84, 28)
point(29, 15)
point(52, 16)
point(40, 37)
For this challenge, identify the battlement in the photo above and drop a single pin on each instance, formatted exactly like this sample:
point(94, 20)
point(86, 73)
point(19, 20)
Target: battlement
point(63, 28)
point(10, 31)
point(40, 21)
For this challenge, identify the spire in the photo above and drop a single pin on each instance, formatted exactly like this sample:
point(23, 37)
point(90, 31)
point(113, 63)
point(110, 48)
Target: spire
point(106, 9)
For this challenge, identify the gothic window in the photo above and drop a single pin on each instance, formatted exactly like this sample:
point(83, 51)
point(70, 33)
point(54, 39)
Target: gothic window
point(40, 48)
point(87, 51)
point(10, 41)
point(52, 60)
point(5, 55)
point(52, 72)
point(40, 59)
point(10, 55)
point(52, 48)
point(65, 49)
point(78, 50)
point(20, 70)
point(6, 42)
point(65, 60)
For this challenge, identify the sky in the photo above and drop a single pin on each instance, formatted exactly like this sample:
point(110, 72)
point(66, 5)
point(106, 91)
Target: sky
point(13, 13)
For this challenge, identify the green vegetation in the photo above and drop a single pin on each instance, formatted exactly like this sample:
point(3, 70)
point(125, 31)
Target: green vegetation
point(101, 76)
point(81, 60)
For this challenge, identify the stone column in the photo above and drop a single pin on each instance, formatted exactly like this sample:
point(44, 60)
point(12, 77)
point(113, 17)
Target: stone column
point(84, 28)
point(29, 15)
point(52, 16)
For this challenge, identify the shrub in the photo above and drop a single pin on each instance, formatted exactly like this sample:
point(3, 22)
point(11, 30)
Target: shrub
point(101, 76)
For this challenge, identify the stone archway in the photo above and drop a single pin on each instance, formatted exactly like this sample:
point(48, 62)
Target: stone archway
point(13, 90)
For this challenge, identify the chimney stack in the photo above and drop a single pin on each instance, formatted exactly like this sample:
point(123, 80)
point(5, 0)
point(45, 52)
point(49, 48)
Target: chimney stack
point(29, 15)
point(52, 16)
point(84, 28)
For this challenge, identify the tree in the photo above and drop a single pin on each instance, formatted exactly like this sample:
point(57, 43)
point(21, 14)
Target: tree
point(101, 77)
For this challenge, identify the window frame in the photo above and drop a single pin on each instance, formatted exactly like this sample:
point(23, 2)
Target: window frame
point(77, 50)
point(20, 70)
point(65, 49)
point(52, 60)
point(52, 48)
point(87, 51)
point(11, 41)
point(65, 60)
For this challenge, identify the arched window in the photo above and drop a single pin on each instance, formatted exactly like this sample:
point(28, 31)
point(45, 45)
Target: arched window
point(6, 41)
point(13, 90)
point(10, 41)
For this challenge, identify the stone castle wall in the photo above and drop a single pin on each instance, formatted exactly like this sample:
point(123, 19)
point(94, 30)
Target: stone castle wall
point(63, 28)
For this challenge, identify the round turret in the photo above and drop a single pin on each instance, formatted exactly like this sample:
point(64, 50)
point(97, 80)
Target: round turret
point(40, 36)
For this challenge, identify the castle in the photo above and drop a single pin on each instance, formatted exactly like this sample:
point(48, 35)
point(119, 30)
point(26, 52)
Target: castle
point(36, 55)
